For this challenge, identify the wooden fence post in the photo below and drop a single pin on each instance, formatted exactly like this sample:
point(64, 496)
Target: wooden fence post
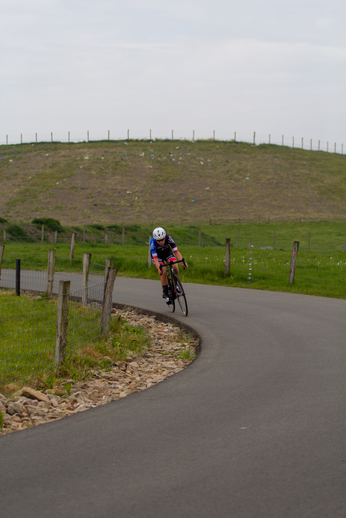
point(86, 268)
point(83, 233)
point(254, 137)
point(172, 135)
point(56, 237)
point(50, 271)
point(149, 254)
point(203, 241)
point(107, 299)
point(106, 238)
point(62, 322)
point(128, 134)
point(238, 238)
point(273, 239)
point(51, 137)
point(42, 233)
point(193, 135)
point(282, 140)
point(123, 236)
point(18, 277)
point(227, 256)
point(293, 261)
point(36, 137)
point(250, 244)
point(235, 136)
point(73, 244)
point(108, 263)
point(2, 251)
point(4, 236)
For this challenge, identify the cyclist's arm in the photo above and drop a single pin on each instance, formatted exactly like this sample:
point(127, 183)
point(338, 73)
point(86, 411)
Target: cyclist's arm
point(156, 263)
point(154, 255)
point(179, 257)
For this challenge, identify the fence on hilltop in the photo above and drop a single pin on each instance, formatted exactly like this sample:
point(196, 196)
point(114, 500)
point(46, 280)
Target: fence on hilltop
point(308, 144)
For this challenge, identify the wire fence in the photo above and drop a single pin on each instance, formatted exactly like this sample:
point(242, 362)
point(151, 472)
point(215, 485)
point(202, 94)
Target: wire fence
point(105, 237)
point(253, 138)
point(37, 333)
point(34, 274)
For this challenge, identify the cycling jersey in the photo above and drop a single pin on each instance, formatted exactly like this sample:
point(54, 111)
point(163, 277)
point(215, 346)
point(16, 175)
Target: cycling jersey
point(162, 251)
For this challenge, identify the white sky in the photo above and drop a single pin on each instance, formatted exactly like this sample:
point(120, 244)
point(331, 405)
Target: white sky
point(269, 66)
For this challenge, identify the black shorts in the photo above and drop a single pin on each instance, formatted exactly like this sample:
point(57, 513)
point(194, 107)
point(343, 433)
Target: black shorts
point(168, 258)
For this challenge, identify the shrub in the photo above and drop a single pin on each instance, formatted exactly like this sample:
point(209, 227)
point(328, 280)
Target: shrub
point(115, 228)
point(132, 228)
point(49, 223)
point(3, 220)
point(16, 231)
point(97, 226)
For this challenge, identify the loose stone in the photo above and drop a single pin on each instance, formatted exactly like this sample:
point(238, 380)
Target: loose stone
point(31, 407)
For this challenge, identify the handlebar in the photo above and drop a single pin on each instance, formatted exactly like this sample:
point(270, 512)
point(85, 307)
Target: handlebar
point(173, 262)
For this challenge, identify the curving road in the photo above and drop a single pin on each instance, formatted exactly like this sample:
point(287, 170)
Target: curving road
point(254, 428)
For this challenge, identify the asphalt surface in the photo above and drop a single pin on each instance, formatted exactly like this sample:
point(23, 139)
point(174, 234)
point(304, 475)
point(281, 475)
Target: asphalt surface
point(255, 427)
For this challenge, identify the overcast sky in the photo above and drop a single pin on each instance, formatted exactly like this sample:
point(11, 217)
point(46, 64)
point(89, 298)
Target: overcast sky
point(269, 66)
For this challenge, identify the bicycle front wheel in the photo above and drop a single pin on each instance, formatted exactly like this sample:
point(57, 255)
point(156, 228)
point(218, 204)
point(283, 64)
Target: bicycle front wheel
point(180, 295)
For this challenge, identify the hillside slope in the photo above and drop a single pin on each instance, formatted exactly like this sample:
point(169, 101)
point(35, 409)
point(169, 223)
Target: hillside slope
point(175, 181)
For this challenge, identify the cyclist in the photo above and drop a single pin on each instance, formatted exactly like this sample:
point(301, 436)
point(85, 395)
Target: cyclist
point(162, 247)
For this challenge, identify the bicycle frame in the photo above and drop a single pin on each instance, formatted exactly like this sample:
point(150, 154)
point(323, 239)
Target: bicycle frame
point(174, 285)
point(169, 267)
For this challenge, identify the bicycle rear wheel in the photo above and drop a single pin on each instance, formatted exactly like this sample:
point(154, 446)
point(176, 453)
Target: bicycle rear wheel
point(180, 295)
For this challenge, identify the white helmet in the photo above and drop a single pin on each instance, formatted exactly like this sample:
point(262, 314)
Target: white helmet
point(159, 233)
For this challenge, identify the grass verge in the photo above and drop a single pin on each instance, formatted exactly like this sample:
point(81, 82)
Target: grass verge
point(259, 267)
point(27, 349)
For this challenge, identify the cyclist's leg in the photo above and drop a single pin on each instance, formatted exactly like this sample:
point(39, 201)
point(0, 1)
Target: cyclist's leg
point(164, 281)
point(171, 259)
point(163, 277)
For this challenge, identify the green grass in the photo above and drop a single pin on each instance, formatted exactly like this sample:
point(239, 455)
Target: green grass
point(320, 271)
point(324, 235)
point(28, 332)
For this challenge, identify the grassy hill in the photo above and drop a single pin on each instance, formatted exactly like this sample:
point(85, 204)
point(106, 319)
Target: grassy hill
point(178, 182)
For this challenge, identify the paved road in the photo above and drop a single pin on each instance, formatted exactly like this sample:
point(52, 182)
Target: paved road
point(254, 428)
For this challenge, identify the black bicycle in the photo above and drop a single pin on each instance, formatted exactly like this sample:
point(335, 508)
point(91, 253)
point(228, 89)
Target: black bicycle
point(175, 288)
